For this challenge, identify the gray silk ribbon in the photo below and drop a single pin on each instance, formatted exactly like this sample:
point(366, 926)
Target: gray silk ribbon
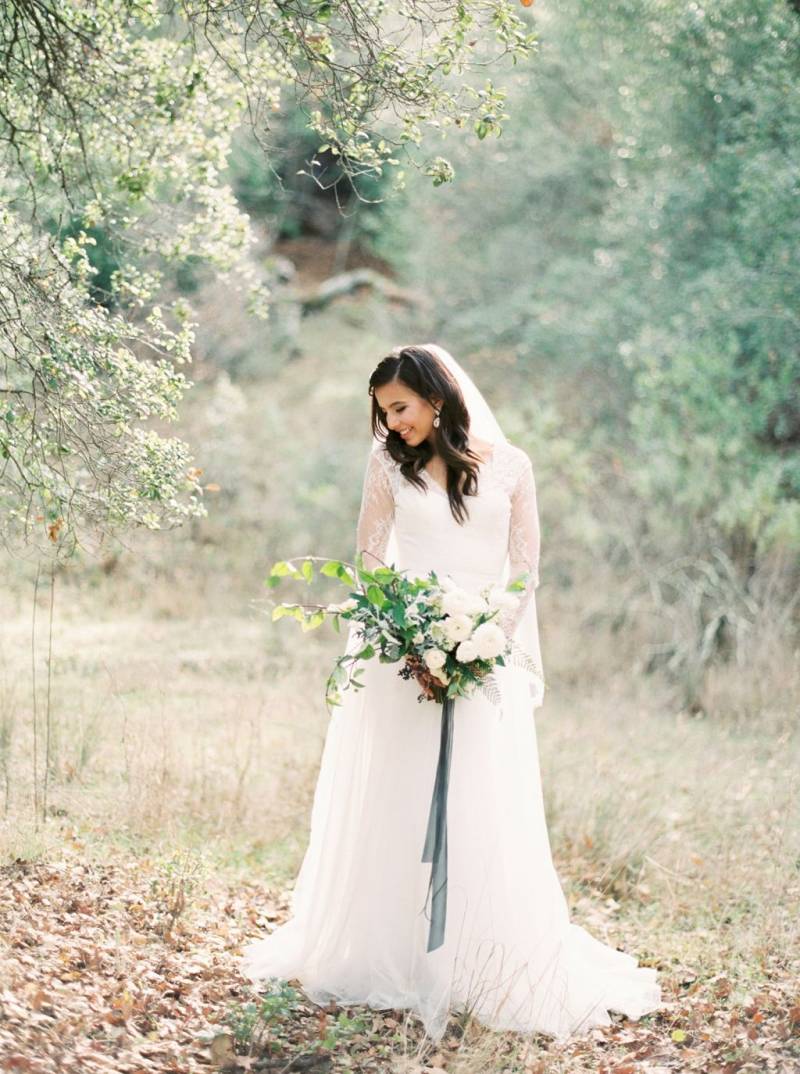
point(435, 849)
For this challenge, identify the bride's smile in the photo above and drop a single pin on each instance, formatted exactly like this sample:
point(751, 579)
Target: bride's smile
point(406, 413)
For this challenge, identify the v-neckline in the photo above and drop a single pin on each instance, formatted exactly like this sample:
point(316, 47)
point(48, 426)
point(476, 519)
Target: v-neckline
point(440, 489)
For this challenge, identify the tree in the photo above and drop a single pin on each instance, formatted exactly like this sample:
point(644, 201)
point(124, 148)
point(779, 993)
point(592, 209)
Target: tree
point(643, 223)
point(116, 117)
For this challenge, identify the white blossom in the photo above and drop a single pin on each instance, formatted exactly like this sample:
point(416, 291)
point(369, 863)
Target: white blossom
point(467, 651)
point(476, 605)
point(457, 602)
point(457, 627)
point(490, 640)
point(434, 659)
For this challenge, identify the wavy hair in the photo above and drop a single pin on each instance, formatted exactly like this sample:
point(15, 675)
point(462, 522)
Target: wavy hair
point(421, 371)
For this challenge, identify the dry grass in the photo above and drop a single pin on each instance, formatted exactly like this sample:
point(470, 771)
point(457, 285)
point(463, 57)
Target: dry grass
point(164, 730)
point(208, 731)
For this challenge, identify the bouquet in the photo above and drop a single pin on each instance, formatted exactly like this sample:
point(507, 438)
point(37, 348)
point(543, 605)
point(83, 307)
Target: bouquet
point(448, 639)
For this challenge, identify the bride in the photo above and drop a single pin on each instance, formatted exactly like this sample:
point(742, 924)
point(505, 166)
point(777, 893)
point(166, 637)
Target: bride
point(444, 490)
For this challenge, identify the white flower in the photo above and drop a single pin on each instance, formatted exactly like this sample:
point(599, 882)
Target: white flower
point(418, 638)
point(457, 627)
point(467, 651)
point(434, 659)
point(500, 599)
point(456, 602)
point(490, 640)
point(437, 634)
point(475, 604)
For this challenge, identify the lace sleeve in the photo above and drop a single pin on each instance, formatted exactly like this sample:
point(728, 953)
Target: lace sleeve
point(376, 516)
point(523, 542)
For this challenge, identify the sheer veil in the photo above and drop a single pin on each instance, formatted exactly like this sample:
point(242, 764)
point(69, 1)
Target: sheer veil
point(485, 426)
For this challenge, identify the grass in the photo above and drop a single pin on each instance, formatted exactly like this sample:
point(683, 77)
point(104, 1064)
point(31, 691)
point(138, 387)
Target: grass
point(675, 837)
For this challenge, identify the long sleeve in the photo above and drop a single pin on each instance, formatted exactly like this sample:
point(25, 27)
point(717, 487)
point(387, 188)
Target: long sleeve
point(523, 542)
point(376, 517)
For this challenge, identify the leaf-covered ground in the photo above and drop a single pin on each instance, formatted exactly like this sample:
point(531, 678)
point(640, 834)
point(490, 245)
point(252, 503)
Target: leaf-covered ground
point(130, 965)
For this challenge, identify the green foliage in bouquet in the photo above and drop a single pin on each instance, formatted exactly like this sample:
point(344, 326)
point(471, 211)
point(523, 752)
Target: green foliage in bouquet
point(448, 639)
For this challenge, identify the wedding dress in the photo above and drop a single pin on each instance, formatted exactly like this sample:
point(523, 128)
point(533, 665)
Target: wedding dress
point(358, 928)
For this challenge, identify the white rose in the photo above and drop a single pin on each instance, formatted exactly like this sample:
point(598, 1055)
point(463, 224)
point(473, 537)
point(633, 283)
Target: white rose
point(500, 599)
point(490, 640)
point(475, 605)
point(456, 602)
point(467, 651)
point(434, 659)
point(457, 627)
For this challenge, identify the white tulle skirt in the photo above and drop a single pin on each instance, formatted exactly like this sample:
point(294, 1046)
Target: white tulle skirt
point(358, 929)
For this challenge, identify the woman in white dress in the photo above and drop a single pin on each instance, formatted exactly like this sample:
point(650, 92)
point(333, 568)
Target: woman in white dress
point(444, 490)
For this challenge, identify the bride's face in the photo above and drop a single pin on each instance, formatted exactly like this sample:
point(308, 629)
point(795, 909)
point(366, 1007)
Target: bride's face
point(405, 412)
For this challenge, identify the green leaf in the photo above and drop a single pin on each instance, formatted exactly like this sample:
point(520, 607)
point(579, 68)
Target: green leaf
point(292, 610)
point(397, 612)
point(518, 583)
point(314, 620)
point(281, 569)
point(278, 570)
point(375, 596)
point(384, 574)
point(308, 570)
point(334, 568)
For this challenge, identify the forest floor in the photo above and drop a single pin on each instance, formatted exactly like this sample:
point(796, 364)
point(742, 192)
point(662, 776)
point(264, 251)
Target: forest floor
point(130, 965)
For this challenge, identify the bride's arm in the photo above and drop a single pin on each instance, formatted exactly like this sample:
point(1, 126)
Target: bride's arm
point(376, 516)
point(523, 543)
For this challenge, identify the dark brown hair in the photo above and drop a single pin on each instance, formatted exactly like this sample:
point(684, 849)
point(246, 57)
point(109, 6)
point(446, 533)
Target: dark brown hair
point(421, 371)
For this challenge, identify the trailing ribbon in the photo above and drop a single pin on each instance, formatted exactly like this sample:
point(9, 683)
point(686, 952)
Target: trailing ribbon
point(435, 849)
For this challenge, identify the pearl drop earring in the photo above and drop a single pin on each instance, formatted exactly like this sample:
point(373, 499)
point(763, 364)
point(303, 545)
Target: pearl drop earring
point(436, 420)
